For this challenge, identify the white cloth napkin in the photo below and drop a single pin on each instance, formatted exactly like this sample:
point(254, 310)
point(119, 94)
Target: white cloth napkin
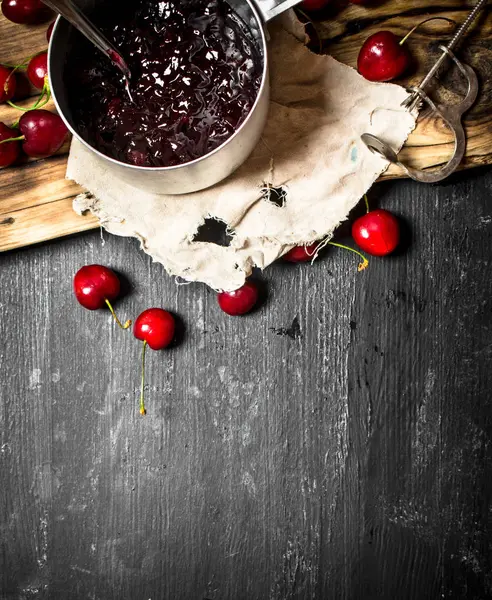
point(311, 148)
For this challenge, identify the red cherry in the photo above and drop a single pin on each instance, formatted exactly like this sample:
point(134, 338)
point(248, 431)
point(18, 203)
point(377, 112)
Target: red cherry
point(155, 327)
point(37, 70)
point(361, 1)
point(8, 83)
point(314, 5)
point(9, 151)
point(377, 232)
point(96, 286)
point(382, 57)
point(44, 133)
point(49, 32)
point(240, 301)
point(22, 11)
point(300, 254)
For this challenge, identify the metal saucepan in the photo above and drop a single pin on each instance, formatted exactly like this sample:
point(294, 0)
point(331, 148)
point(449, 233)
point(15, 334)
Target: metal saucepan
point(202, 172)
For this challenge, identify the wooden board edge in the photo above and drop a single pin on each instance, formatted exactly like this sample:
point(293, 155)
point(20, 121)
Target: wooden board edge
point(42, 223)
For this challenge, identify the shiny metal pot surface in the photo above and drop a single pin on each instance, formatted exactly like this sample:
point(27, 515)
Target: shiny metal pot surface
point(202, 172)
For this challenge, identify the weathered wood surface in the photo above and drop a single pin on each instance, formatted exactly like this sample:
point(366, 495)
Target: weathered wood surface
point(346, 458)
point(344, 29)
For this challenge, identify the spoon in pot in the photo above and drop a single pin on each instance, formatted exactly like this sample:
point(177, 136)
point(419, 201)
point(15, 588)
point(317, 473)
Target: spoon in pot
point(73, 14)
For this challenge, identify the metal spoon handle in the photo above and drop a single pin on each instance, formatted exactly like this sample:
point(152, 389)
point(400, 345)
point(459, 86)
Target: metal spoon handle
point(68, 10)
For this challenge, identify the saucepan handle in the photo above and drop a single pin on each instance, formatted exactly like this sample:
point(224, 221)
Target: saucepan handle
point(271, 8)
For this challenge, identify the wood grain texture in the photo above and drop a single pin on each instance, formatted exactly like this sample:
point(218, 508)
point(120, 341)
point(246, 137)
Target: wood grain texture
point(343, 28)
point(347, 457)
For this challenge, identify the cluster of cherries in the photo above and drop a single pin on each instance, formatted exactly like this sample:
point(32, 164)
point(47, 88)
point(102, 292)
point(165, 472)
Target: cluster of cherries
point(95, 286)
point(38, 133)
point(383, 56)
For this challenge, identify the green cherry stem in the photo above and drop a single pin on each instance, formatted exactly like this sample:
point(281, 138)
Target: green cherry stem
point(363, 265)
point(46, 91)
point(423, 23)
point(16, 139)
point(143, 410)
point(367, 202)
point(16, 106)
point(127, 323)
point(43, 99)
point(21, 65)
point(12, 73)
point(15, 67)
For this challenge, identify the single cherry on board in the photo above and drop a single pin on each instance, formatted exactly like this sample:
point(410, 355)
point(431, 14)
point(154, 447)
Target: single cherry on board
point(300, 254)
point(43, 133)
point(37, 70)
point(384, 57)
point(155, 327)
point(8, 83)
point(9, 151)
point(23, 11)
point(377, 232)
point(96, 286)
point(240, 301)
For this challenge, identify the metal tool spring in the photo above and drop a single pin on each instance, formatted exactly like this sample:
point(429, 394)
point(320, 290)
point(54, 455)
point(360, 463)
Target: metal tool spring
point(415, 99)
point(463, 29)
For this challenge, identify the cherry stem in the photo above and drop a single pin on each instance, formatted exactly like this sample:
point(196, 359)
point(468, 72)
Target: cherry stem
point(21, 65)
point(16, 106)
point(12, 73)
point(43, 99)
point(15, 67)
point(367, 203)
point(143, 410)
point(423, 23)
point(16, 139)
point(363, 265)
point(44, 92)
point(127, 323)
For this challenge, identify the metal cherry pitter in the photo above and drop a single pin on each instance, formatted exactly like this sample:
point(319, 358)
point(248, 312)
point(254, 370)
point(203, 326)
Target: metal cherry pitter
point(452, 115)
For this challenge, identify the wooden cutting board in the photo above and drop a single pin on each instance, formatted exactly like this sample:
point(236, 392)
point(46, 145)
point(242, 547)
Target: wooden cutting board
point(36, 200)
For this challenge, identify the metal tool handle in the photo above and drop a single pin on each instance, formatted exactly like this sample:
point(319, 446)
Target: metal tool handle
point(451, 115)
point(72, 13)
point(271, 8)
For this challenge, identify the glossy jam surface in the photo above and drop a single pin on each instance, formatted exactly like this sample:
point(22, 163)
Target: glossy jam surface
point(196, 72)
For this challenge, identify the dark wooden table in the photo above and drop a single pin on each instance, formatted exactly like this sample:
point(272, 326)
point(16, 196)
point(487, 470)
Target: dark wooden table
point(336, 444)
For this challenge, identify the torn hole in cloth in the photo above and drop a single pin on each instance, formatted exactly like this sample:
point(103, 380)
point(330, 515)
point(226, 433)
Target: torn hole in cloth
point(310, 148)
point(214, 231)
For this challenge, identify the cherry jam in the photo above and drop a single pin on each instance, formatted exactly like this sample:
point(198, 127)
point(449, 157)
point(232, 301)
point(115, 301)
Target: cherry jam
point(195, 75)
